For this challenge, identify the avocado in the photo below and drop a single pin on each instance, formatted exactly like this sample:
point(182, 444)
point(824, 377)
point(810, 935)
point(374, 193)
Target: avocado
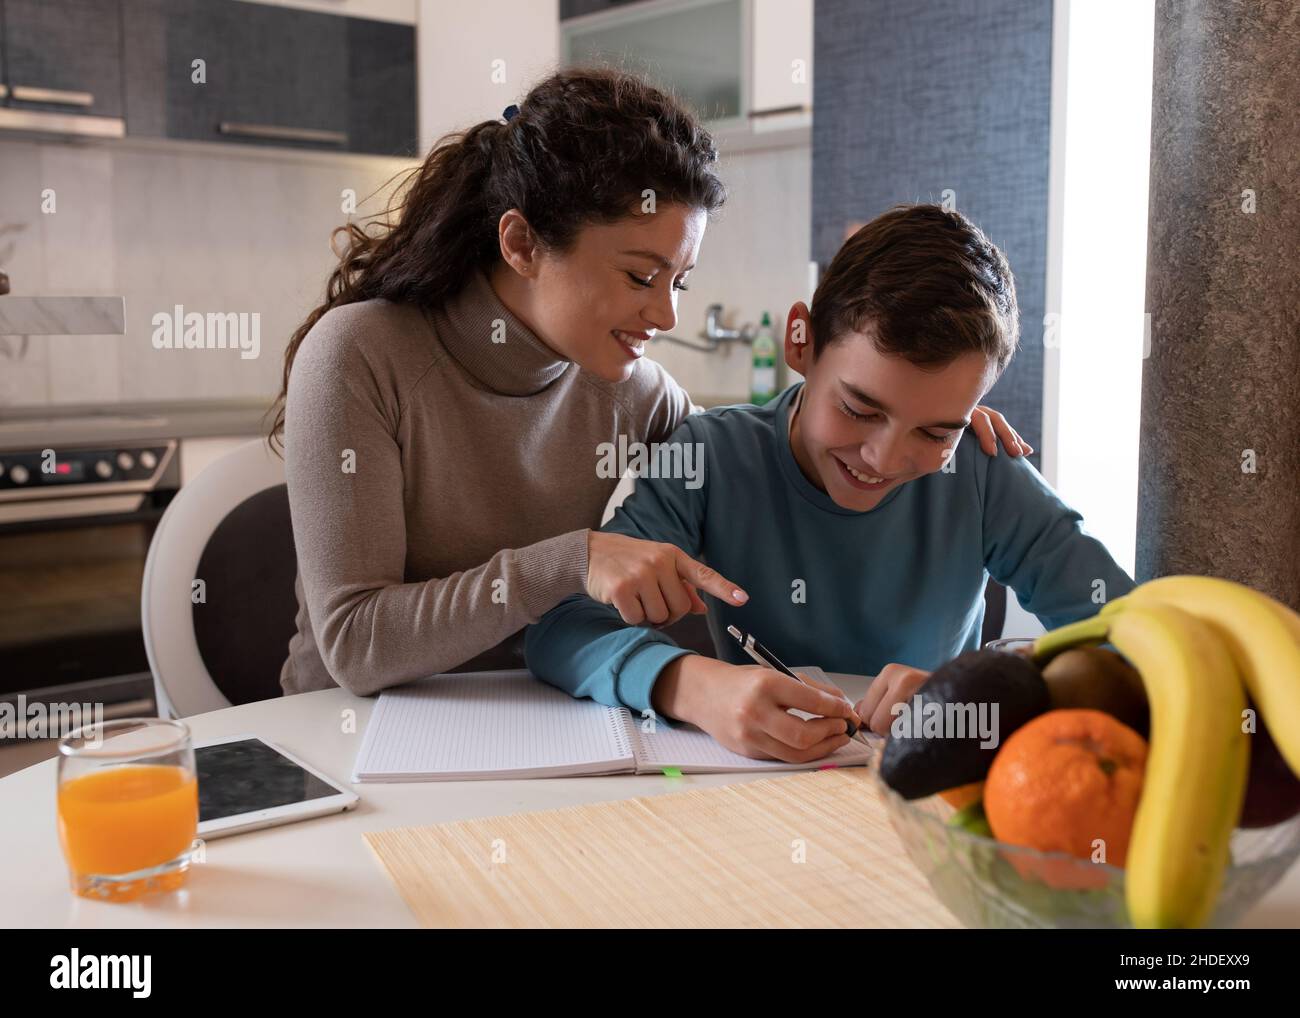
point(935, 743)
point(1098, 679)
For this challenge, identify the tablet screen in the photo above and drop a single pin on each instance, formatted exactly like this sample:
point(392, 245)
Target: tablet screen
point(246, 776)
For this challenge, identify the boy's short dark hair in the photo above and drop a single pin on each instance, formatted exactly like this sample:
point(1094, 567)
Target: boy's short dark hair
point(929, 281)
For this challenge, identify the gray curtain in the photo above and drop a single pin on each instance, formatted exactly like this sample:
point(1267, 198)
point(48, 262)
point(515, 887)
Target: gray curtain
point(912, 99)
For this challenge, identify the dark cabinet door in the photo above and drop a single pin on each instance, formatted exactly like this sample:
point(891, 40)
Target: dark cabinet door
point(63, 56)
point(195, 70)
point(269, 75)
point(288, 75)
point(381, 88)
point(220, 70)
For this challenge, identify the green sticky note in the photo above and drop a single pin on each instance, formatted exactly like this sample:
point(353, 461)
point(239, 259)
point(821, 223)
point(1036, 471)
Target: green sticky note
point(672, 772)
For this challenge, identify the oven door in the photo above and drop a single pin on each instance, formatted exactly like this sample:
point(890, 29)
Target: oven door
point(70, 579)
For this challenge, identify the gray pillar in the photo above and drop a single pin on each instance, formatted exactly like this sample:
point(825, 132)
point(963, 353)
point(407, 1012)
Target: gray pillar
point(1219, 474)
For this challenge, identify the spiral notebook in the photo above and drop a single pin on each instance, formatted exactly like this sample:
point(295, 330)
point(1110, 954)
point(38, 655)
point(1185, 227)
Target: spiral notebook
point(512, 725)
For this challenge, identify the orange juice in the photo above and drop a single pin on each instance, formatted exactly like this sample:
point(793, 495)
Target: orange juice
point(119, 820)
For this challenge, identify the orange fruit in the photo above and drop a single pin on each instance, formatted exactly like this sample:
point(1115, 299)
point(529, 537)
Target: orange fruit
point(1064, 782)
point(961, 796)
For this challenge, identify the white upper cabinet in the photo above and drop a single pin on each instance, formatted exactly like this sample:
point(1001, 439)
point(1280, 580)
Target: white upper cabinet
point(782, 63)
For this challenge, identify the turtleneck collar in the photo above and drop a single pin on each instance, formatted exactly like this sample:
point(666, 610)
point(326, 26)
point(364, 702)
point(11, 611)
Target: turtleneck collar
point(520, 365)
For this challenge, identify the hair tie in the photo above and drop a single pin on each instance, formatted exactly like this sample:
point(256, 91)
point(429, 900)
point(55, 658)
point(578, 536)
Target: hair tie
point(510, 112)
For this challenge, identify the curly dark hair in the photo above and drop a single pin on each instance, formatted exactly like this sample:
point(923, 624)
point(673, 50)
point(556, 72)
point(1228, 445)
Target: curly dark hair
point(582, 148)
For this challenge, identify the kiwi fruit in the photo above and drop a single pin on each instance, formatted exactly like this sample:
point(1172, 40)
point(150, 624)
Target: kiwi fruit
point(1098, 679)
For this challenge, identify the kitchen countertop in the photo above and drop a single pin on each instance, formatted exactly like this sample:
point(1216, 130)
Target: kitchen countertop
point(114, 423)
point(33, 427)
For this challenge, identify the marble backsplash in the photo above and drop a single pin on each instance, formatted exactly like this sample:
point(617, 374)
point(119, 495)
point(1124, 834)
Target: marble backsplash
point(227, 230)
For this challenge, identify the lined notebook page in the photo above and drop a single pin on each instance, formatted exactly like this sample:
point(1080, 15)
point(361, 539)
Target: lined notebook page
point(695, 751)
point(489, 725)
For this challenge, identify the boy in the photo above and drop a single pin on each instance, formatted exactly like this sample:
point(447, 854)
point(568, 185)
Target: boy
point(847, 509)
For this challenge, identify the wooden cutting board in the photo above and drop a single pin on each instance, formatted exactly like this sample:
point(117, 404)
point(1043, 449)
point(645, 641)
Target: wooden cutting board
point(814, 849)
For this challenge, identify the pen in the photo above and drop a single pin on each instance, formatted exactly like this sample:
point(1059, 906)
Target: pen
point(767, 659)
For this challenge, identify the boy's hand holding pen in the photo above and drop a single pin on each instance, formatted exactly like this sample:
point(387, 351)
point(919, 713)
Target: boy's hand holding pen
point(767, 659)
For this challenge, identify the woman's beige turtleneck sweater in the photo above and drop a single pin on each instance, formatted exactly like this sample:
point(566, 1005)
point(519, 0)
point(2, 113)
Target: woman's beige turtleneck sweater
point(441, 484)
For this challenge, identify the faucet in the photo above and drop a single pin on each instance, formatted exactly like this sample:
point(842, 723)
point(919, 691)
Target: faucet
point(715, 333)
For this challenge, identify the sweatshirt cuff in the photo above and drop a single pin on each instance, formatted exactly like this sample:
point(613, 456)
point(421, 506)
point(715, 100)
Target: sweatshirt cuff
point(552, 570)
point(635, 682)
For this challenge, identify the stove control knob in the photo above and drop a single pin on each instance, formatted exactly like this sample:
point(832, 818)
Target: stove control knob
point(18, 474)
point(104, 469)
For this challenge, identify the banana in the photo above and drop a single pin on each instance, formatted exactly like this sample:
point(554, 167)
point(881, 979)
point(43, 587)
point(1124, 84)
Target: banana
point(1289, 619)
point(1261, 634)
point(1195, 777)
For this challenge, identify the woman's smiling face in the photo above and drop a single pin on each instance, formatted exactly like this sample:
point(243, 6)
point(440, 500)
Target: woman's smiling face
point(599, 303)
point(868, 421)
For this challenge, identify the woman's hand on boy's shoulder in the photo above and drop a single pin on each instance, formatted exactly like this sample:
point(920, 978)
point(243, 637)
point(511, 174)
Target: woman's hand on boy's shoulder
point(990, 427)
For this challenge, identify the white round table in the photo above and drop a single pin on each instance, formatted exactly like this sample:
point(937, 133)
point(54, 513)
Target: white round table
point(320, 872)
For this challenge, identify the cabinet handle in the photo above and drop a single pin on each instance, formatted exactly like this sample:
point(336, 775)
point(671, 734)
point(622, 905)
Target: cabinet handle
point(776, 111)
point(282, 133)
point(18, 118)
point(58, 96)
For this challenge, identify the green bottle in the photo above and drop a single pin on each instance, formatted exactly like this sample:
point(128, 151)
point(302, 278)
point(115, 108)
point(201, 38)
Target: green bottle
point(762, 384)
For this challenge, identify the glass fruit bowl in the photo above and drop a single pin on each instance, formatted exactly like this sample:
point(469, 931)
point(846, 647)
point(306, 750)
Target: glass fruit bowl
point(992, 885)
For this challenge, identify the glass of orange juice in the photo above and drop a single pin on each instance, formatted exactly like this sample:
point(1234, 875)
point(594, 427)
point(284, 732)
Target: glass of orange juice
point(128, 807)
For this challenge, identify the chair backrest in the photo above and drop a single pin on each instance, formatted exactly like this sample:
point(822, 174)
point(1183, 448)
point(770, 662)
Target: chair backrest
point(218, 605)
point(995, 611)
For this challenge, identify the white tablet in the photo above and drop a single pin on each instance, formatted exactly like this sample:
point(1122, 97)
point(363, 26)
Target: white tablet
point(246, 783)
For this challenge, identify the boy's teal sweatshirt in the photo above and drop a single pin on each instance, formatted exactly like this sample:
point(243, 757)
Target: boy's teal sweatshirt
point(848, 591)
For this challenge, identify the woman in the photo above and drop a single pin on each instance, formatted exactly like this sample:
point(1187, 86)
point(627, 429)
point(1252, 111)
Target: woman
point(442, 410)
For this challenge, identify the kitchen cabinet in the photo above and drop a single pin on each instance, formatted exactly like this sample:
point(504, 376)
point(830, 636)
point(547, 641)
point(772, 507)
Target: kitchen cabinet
point(402, 11)
point(782, 58)
point(269, 76)
point(62, 56)
point(381, 87)
point(692, 49)
point(739, 64)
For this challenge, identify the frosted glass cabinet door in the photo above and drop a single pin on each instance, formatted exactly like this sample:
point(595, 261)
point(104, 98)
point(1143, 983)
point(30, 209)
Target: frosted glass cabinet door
point(697, 50)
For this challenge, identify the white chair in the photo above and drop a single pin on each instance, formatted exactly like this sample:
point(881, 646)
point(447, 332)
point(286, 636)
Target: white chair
point(230, 529)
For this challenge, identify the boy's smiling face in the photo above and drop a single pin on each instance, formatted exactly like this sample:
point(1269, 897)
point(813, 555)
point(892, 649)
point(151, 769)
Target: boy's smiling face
point(867, 422)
